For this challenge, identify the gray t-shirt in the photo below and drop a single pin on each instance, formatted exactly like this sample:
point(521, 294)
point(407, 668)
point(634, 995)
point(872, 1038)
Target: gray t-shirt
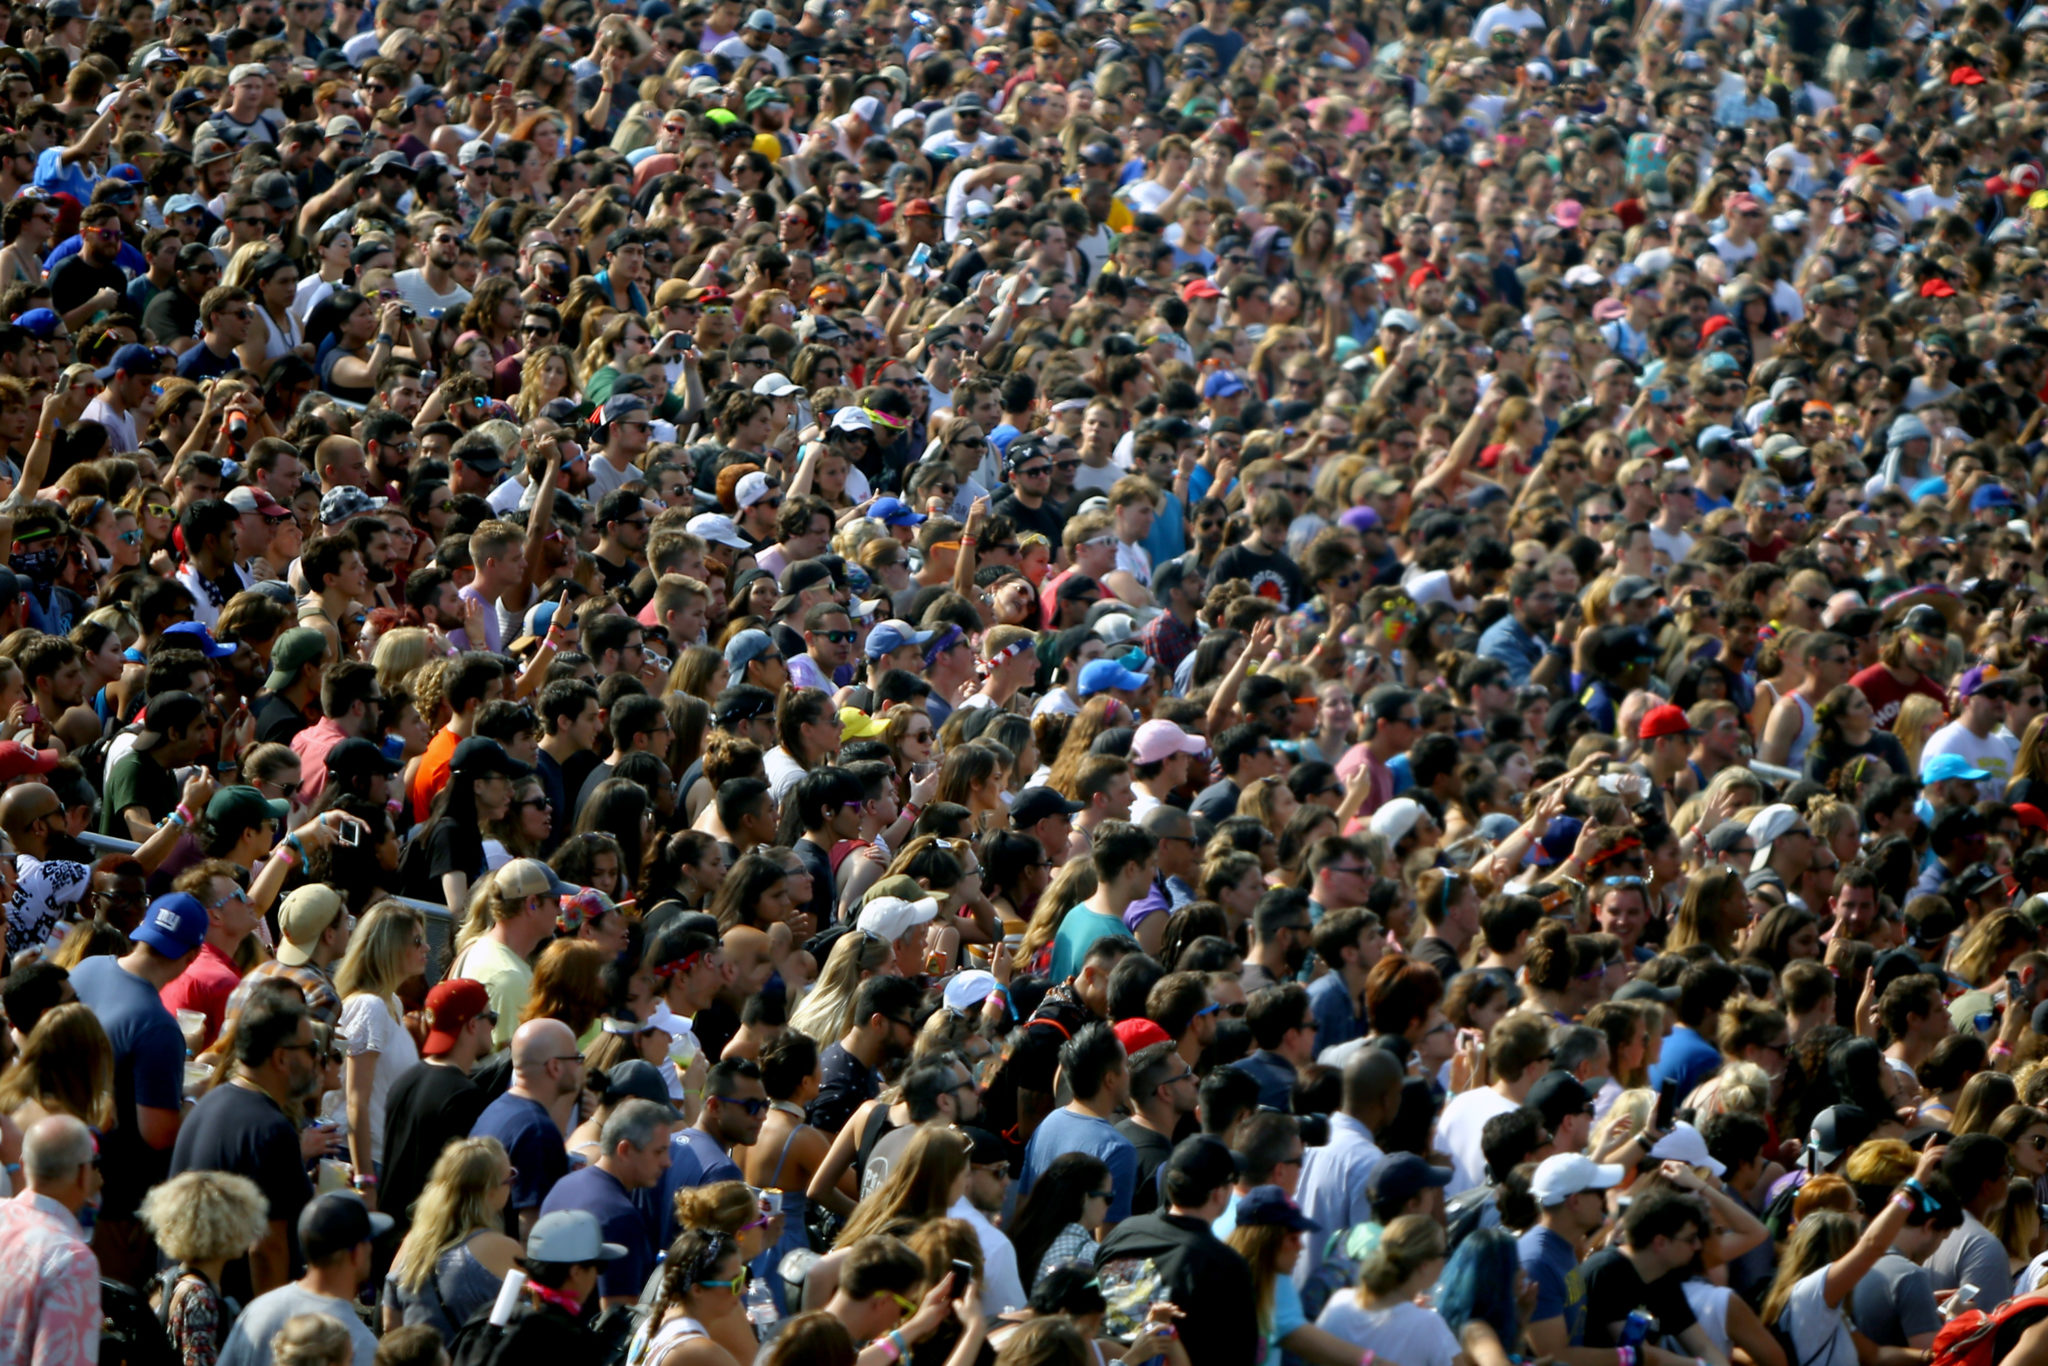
point(1972, 1256)
point(1894, 1303)
point(248, 1343)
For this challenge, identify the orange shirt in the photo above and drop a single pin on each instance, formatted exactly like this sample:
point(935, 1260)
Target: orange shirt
point(432, 774)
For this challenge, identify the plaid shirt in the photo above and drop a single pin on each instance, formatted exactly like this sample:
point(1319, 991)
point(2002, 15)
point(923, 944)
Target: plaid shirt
point(1168, 642)
point(321, 999)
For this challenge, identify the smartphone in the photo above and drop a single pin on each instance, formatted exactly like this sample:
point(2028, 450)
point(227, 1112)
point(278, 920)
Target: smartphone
point(32, 714)
point(963, 1276)
point(1966, 1295)
point(1667, 1104)
point(920, 258)
point(349, 833)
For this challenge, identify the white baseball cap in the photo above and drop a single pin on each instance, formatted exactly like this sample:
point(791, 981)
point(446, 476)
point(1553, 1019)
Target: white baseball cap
point(1686, 1144)
point(1560, 1177)
point(716, 526)
point(751, 489)
point(775, 386)
point(891, 917)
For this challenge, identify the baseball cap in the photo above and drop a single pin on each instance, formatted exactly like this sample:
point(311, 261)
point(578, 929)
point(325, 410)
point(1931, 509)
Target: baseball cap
point(1943, 767)
point(1665, 720)
point(1563, 1175)
point(891, 917)
point(1157, 740)
point(1558, 1095)
point(746, 647)
point(1836, 1132)
point(238, 805)
point(1270, 1205)
point(1104, 675)
point(482, 757)
point(895, 512)
point(451, 1005)
point(1139, 1032)
point(174, 925)
point(569, 1237)
point(338, 1221)
point(294, 650)
point(339, 504)
point(894, 635)
point(1199, 288)
point(752, 488)
point(1206, 1160)
point(303, 917)
point(718, 528)
point(132, 360)
point(1403, 1176)
point(638, 1079)
point(19, 761)
point(165, 713)
point(969, 989)
point(1035, 804)
point(1396, 818)
point(1686, 1144)
point(1766, 826)
point(776, 386)
point(255, 498)
point(524, 877)
point(201, 639)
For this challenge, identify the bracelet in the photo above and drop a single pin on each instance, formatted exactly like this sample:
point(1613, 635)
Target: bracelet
point(2001, 1049)
point(186, 812)
point(967, 540)
point(1927, 1202)
point(1625, 1356)
point(912, 810)
point(364, 1180)
point(889, 1346)
point(287, 857)
point(902, 1343)
point(1903, 1201)
point(386, 339)
point(293, 843)
point(173, 819)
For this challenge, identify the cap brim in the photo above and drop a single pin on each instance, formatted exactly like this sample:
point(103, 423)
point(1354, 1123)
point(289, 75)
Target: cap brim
point(381, 1224)
point(1606, 1176)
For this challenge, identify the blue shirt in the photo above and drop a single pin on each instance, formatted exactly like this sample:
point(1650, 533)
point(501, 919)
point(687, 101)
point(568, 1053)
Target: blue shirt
point(1688, 1059)
point(200, 363)
point(149, 1070)
point(598, 1191)
point(1077, 934)
point(53, 175)
point(1548, 1262)
point(128, 258)
point(1275, 1076)
point(694, 1159)
point(540, 1157)
point(1510, 642)
point(1331, 1189)
point(1067, 1131)
point(1337, 1020)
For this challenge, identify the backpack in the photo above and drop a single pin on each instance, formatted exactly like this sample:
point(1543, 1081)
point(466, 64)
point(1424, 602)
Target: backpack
point(1975, 1338)
point(130, 1334)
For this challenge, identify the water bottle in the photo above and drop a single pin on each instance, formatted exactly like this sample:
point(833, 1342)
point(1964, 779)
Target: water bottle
point(761, 1311)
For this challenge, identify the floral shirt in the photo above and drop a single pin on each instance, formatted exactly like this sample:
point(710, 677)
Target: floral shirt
point(197, 1321)
point(50, 1297)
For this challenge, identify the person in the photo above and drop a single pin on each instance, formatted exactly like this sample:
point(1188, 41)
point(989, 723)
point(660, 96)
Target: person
point(1195, 1269)
point(634, 1144)
point(565, 1253)
point(1517, 1056)
point(1382, 1310)
point(455, 1254)
point(532, 1119)
point(336, 1231)
point(388, 949)
point(1094, 1064)
point(245, 1126)
point(202, 1221)
point(50, 1306)
point(434, 1103)
point(1660, 1235)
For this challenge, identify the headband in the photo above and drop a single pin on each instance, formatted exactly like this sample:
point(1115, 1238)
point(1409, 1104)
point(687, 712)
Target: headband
point(612, 1025)
point(1005, 655)
point(1069, 405)
point(947, 640)
point(894, 424)
point(683, 964)
point(1621, 846)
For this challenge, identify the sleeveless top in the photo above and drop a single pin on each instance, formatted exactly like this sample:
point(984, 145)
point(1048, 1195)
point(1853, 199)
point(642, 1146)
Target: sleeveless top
point(459, 1287)
point(1797, 757)
point(794, 1203)
point(648, 1351)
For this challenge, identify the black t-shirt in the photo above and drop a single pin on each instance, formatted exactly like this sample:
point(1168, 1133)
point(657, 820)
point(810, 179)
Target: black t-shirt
point(445, 846)
point(236, 1129)
point(278, 719)
point(1153, 1150)
point(428, 1108)
point(1273, 577)
point(1439, 954)
point(844, 1082)
point(819, 861)
point(1614, 1290)
point(76, 279)
point(1044, 519)
point(1217, 801)
point(618, 575)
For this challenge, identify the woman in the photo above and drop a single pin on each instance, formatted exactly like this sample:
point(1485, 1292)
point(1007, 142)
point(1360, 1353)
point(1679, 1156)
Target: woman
point(65, 1067)
point(447, 853)
point(1821, 1266)
point(1016, 873)
point(1845, 729)
point(568, 985)
point(1268, 1235)
point(972, 776)
point(202, 1220)
point(1984, 1098)
point(354, 338)
point(622, 809)
point(492, 314)
point(1381, 1312)
point(1063, 1215)
point(755, 892)
point(704, 1274)
point(1480, 1296)
point(1785, 935)
point(524, 830)
point(1948, 1067)
point(1715, 912)
point(789, 1151)
point(547, 373)
point(928, 1179)
point(273, 332)
point(386, 950)
point(25, 227)
point(456, 1254)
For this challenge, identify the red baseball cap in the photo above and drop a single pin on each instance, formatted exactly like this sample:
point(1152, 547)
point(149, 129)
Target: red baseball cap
point(1713, 325)
point(1937, 289)
point(1140, 1032)
point(2031, 816)
point(451, 1005)
point(1665, 720)
point(920, 208)
point(1203, 288)
point(19, 761)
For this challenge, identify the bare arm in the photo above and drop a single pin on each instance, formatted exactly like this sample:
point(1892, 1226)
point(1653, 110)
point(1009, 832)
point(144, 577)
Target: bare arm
point(159, 1128)
point(1780, 731)
point(270, 1261)
point(830, 1182)
point(1225, 700)
point(359, 1078)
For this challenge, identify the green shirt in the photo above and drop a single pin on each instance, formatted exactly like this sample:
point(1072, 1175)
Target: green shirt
point(137, 780)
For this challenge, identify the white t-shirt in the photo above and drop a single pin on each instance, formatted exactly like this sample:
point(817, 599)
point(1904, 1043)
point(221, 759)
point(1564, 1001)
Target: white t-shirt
point(1435, 586)
point(1922, 202)
point(121, 438)
point(412, 287)
point(1820, 1335)
point(782, 770)
point(1457, 1134)
point(736, 48)
point(1406, 1333)
point(371, 1025)
point(1994, 753)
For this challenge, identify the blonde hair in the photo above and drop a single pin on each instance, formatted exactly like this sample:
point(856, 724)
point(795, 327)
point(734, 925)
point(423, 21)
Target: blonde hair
point(66, 1066)
point(1918, 715)
point(455, 1204)
point(399, 653)
point(826, 1013)
point(1635, 1106)
point(721, 1207)
point(312, 1340)
point(377, 951)
point(1410, 1243)
point(203, 1216)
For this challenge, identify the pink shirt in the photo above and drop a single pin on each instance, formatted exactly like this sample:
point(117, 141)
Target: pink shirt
point(312, 745)
point(50, 1296)
point(204, 987)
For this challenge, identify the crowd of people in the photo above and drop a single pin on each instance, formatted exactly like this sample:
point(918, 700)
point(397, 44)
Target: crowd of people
point(1193, 683)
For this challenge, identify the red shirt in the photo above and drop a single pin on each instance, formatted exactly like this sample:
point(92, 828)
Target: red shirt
point(204, 987)
point(1886, 693)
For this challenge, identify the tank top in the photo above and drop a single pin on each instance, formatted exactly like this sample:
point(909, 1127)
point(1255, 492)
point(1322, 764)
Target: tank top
point(1797, 757)
point(672, 1333)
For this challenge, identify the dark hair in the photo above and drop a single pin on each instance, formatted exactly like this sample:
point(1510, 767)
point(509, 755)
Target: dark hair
point(894, 997)
point(269, 1021)
point(1668, 1213)
point(1054, 1201)
point(1088, 1059)
point(1276, 1011)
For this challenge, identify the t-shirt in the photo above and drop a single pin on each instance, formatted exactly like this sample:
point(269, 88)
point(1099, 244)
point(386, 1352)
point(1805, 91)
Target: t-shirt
point(1614, 1290)
point(597, 1191)
point(370, 1025)
point(428, 1108)
point(203, 362)
point(1153, 1148)
point(1457, 1134)
point(1995, 753)
point(1548, 1262)
point(534, 1142)
point(205, 987)
point(1068, 1131)
point(248, 1342)
point(1077, 934)
point(1972, 1255)
point(1273, 577)
point(238, 1129)
point(694, 1159)
point(505, 976)
point(412, 287)
point(845, 1082)
point(1820, 1335)
point(76, 280)
point(1885, 692)
point(1894, 1303)
point(149, 1070)
point(137, 780)
point(1405, 1332)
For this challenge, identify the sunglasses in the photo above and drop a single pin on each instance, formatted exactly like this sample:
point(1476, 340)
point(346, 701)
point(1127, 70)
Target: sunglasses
point(754, 1108)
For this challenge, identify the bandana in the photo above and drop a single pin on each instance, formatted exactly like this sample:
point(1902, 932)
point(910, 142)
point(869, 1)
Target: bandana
point(1004, 656)
point(681, 965)
point(946, 641)
point(1626, 844)
point(561, 1299)
point(894, 424)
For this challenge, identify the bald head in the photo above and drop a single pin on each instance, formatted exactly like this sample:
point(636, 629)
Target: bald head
point(54, 1149)
point(537, 1043)
point(746, 951)
point(24, 808)
point(1372, 1085)
point(1167, 822)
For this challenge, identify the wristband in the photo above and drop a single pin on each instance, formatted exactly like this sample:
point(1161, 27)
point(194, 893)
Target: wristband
point(386, 339)
point(1903, 1201)
point(967, 540)
point(2001, 1049)
point(186, 812)
point(288, 857)
point(1927, 1202)
point(1369, 1358)
point(1625, 1356)
point(364, 1181)
point(902, 1344)
point(912, 810)
point(888, 1345)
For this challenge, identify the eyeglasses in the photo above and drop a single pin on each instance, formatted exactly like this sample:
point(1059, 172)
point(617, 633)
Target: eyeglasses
point(905, 1305)
point(752, 1107)
point(738, 1284)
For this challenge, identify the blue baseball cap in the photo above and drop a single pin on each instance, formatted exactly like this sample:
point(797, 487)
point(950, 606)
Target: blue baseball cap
point(895, 512)
point(40, 323)
point(174, 925)
point(132, 359)
point(894, 635)
point(1991, 496)
point(1108, 675)
point(201, 639)
point(1556, 844)
point(1943, 767)
point(1222, 384)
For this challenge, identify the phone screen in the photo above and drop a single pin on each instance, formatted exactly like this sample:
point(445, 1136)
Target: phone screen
point(1667, 1104)
point(963, 1276)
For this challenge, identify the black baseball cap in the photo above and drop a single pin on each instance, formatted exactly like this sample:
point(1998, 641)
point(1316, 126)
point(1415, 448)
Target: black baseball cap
point(1035, 804)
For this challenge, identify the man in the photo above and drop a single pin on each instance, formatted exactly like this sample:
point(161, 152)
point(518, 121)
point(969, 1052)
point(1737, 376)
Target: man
point(291, 697)
point(1020, 1092)
point(126, 378)
point(336, 1231)
point(533, 1118)
point(351, 707)
point(1452, 914)
point(1162, 1099)
point(1160, 754)
point(244, 1126)
point(1345, 941)
point(850, 1069)
point(435, 1103)
point(1571, 1207)
point(46, 890)
point(499, 957)
point(50, 1298)
point(1661, 1234)
point(1689, 1056)
point(565, 1258)
point(634, 1153)
point(231, 918)
point(142, 787)
point(1195, 1269)
point(1517, 1055)
point(223, 327)
point(938, 1093)
point(1391, 709)
point(1977, 735)
point(1285, 1031)
point(87, 284)
point(124, 994)
point(1281, 937)
point(1125, 858)
point(1894, 1305)
point(1915, 1016)
point(1332, 1188)
point(172, 316)
point(734, 1102)
point(431, 288)
point(1094, 1065)
point(1523, 637)
point(988, 1184)
point(1973, 1168)
point(625, 521)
